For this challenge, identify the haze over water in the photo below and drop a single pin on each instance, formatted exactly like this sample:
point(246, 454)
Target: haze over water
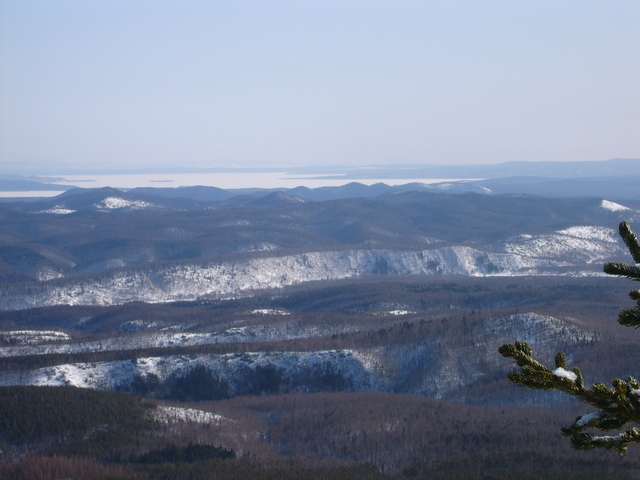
point(224, 180)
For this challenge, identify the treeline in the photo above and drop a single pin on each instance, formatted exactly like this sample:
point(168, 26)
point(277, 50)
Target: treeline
point(339, 300)
point(29, 414)
point(55, 468)
point(413, 436)
point(408, 350)
point(362, 339)
point(201, 384)
point(360, 436)
point(522, 466)
point(189, 454)
point(79, 423)
point(489, 468)
point(370, 329)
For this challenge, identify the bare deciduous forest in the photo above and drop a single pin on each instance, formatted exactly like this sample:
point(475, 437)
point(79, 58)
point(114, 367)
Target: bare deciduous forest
point(380, 374)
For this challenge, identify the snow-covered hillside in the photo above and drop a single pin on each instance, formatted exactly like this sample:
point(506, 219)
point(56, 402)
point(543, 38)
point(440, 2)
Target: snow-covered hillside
point(31, 337)
point(40, 343)
point(570, 251)
point(432, 367)
point(613, 206)
point(573, 245)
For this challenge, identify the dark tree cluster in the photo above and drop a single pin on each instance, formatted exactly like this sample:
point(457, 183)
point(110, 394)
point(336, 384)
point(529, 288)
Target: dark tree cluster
point(32, 413)
point(189, 454)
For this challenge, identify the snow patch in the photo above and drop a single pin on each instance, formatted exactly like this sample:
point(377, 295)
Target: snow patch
point(394, 312)
point(534, 328)
point(167, 414)
point(33, 337)
point(562, 373)
point(47, 273)
point(260, 247)
point(236, 223)
point(574, 245)
point(112, 203)
point(58, 210)
point(612, 206)
point(601, 234)
point(136, 326)
point(585, 419)
point(268, 311)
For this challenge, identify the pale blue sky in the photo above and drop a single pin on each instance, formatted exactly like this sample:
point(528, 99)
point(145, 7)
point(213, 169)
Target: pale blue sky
point(221, 83)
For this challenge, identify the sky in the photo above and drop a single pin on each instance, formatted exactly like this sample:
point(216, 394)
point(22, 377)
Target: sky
point(141, 84)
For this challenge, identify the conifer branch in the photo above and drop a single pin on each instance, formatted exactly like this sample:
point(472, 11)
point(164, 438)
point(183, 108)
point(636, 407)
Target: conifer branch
point(619, 405)
point(630, 318)
point(585, 441)
point(622, 270)
point(630, 240)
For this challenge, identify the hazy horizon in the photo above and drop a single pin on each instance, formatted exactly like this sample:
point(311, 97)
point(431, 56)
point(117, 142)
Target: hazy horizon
point(139, 84)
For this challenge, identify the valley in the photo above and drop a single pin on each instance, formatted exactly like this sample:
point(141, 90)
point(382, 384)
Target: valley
point(346, 332)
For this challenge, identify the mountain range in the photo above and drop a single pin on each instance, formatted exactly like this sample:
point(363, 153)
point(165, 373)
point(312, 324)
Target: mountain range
point(106, 246)
point(615, 179)
point(315, 323)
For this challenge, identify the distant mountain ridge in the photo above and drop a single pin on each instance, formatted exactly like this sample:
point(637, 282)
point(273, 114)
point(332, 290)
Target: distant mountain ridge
point(616, 179)
point(105, 246)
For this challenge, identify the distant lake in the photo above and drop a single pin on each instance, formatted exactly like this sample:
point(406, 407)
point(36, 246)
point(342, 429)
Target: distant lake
point(226, 180)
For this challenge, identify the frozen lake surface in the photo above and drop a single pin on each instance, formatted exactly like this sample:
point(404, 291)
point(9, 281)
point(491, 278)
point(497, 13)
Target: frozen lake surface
point(225, 180)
